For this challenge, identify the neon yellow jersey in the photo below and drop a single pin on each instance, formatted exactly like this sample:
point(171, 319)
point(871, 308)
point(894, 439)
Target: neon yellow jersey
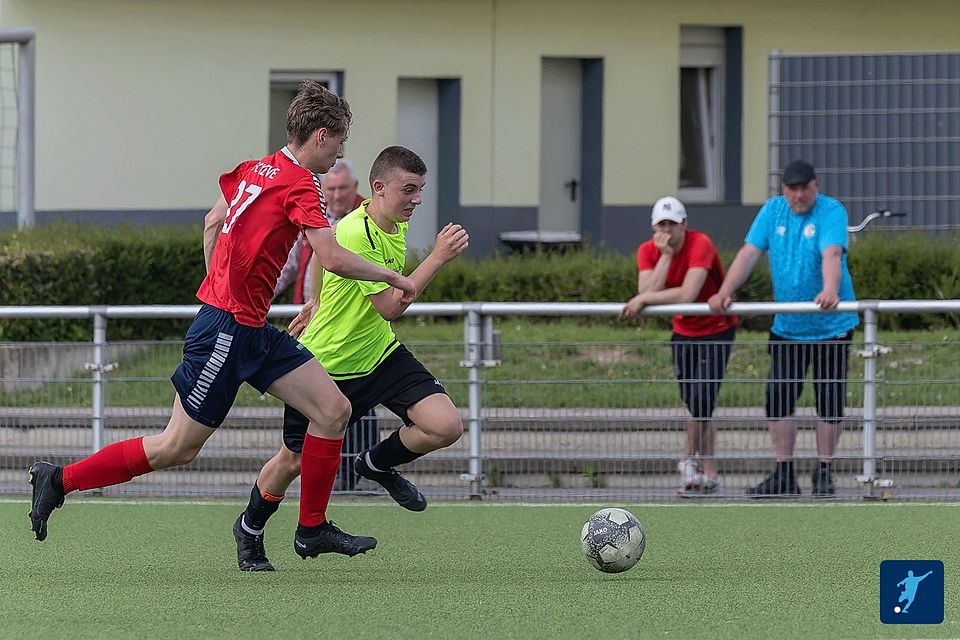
point(347, 334)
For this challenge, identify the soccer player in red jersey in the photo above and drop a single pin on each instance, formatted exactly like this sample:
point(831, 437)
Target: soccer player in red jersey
point(263, 206)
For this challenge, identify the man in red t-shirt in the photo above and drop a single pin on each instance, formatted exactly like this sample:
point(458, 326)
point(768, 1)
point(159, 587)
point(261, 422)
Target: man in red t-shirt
point(680, 265)
point(247, 235)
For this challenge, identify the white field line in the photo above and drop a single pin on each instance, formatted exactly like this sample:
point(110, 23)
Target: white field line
point(501, 504)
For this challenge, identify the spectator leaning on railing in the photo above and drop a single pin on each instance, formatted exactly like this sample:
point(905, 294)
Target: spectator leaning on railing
point(681, 265)
point(805, 235)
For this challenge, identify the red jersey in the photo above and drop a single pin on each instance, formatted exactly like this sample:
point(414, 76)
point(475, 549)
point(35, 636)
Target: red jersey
point(698, 252)
point(269, 202)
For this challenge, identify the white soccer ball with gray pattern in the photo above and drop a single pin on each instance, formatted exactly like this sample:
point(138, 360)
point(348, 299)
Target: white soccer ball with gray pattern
point(613, 540)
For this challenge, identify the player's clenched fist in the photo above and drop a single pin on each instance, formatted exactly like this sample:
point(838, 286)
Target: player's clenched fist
point(451, 242)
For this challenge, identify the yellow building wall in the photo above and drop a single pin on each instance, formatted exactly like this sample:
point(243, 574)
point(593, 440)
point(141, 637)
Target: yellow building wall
point(141, 104)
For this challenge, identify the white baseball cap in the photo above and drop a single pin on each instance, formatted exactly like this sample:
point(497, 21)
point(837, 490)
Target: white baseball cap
point(668, 208)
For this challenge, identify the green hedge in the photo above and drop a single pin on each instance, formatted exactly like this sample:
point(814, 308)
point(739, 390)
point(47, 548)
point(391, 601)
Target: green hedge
point(883, 266)
point(907, 266)
point(571, 276)
point(90, 265)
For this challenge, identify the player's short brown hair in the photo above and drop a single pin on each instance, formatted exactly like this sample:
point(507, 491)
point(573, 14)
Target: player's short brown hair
point(316, 107)
point(393, 159)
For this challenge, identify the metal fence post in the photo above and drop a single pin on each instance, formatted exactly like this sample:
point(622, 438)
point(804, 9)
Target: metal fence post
point(870, 394)
point(97, 367)
point(491, 343)
point(871, 352)
point(473, 361)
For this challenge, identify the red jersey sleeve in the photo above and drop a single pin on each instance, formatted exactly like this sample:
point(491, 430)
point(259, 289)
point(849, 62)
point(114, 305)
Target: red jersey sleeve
point(231, 180)
point(305, 204)
point(647, 256)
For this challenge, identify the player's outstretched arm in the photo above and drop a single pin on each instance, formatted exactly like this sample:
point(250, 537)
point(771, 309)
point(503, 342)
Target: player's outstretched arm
point(347, 264)
point(451, 242)
point(212, 223)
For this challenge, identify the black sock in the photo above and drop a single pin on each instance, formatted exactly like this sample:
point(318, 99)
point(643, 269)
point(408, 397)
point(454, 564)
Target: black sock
point(824, 466)
point(259, 509)
point(785, 468)
point(391, 452)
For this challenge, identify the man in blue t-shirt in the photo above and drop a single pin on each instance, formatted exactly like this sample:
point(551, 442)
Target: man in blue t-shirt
point(805, 236)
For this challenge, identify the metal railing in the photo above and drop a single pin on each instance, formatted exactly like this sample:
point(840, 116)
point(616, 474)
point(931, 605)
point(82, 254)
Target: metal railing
point(481, 351)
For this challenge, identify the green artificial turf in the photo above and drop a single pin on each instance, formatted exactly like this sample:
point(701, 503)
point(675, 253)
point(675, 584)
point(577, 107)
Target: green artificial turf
point(166, 569)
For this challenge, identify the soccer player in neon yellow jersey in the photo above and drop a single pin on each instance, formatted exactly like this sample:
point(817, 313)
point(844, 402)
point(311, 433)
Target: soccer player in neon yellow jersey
point(350, 334)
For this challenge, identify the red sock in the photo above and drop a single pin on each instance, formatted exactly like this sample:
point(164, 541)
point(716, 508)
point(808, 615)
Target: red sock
point(114, 464)
point(321, 461)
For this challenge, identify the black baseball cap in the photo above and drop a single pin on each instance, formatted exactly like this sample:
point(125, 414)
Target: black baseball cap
point(798, 172)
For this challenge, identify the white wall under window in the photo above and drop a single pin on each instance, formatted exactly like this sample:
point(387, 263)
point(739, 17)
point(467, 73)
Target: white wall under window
point(701, 117)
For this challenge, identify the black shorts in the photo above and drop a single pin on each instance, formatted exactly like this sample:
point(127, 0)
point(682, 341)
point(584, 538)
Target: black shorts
point(699, 364)
point(789, 360)
point(398, 383)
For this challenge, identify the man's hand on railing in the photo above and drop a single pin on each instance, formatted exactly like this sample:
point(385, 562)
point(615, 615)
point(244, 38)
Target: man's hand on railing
point(633, 308)
point(719, 303)
point(827, 300)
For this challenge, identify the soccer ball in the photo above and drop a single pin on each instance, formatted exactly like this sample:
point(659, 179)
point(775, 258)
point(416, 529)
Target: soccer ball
point(613, 540)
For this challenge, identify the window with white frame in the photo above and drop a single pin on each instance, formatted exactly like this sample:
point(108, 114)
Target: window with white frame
point(701, 117)
point(283, 87)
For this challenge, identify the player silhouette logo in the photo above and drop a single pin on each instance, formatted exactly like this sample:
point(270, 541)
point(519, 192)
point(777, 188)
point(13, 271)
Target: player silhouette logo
point(903, 599)
point(909, 584)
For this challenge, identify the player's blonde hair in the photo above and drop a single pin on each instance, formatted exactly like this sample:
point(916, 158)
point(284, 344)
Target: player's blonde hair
point(316, 107)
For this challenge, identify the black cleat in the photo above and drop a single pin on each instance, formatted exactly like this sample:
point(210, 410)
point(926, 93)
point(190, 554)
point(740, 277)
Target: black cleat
point(822, 483)
point(399, 488)
point(775, 486)
point(328, 538)
point(251, 555)
point(46, 496)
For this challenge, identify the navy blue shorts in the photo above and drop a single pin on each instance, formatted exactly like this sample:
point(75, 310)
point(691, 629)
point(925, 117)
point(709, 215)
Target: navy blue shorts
point(219, 355)
point(398, 383)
